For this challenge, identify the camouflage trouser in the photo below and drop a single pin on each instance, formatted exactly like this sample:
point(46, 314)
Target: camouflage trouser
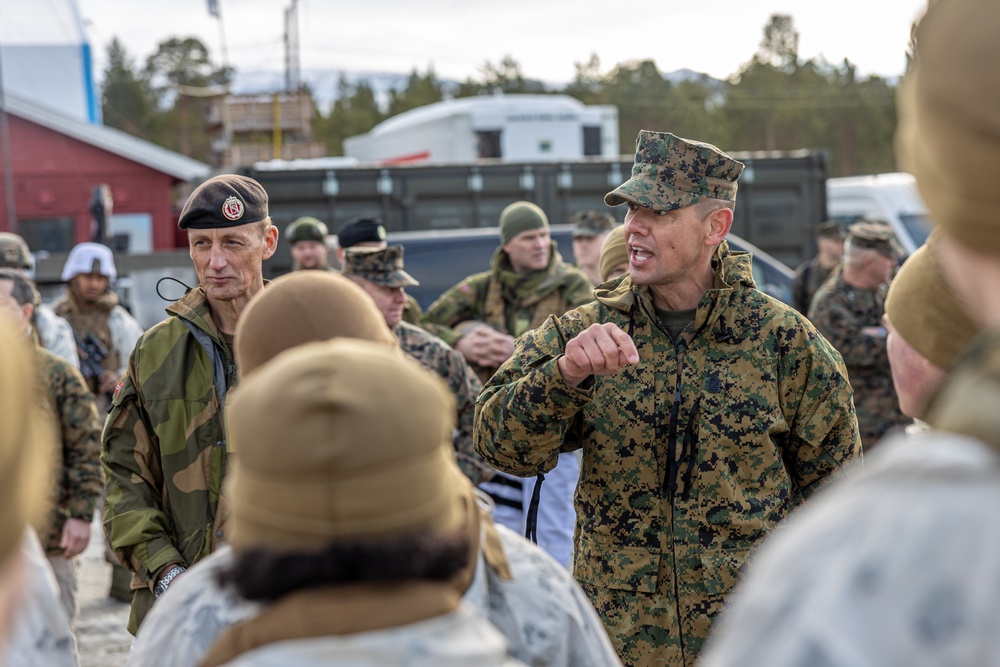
point(645, 621)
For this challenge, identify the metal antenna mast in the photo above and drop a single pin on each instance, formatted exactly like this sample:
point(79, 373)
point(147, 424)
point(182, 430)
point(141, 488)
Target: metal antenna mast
point(292, 74)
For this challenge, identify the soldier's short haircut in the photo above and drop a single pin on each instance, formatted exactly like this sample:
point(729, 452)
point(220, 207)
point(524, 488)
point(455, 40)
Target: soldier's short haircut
point(24, 291)
point(267, 575)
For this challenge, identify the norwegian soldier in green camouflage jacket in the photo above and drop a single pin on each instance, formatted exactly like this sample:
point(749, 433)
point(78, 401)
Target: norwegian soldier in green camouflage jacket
point(164, 443)
point(706, 410)
point(528, 281)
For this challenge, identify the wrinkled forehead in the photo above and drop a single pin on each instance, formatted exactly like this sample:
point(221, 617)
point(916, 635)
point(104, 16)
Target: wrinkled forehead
point(240, 232)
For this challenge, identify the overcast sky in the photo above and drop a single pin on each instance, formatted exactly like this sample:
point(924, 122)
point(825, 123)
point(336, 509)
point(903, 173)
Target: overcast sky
point(545, 36)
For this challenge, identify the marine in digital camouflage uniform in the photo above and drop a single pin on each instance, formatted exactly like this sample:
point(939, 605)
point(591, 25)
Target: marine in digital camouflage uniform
point(590, 228)
point(370, 233)
point(695, 444)
point(164, 448)
point(811, 274)
point(383, 277)
point(506, 300)
point(848, 310)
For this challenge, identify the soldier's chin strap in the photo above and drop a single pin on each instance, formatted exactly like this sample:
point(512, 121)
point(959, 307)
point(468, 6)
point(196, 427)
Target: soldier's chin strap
point(531, 518)
point(186, 287)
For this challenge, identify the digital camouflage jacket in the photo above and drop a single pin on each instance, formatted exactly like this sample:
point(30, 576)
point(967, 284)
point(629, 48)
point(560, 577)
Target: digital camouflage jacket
point(509, 302)
point(77, 463)
point(690, 457)
point(841, 312)
point(435, 355)
point(164, 448)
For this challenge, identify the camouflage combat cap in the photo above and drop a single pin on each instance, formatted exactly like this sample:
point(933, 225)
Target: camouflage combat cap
point(591, 223)
point(306, 228)
point(671, 172)
point(380, 266)
point(831, 229)
point(227, 200)
point(877, 236)
point(361, 230)
point(14, 252)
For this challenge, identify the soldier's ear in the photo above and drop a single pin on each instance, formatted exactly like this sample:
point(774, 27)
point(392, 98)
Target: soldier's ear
point(720, 221)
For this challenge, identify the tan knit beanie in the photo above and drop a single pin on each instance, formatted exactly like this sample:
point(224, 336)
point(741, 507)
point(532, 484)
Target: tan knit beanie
point(303, 307)
point(25, 441)
point(948, 134)
point(614, 251)
point(925, 312)
point(342, 440)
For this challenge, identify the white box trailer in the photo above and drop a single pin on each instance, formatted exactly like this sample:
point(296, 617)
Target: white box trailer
point(514, 128)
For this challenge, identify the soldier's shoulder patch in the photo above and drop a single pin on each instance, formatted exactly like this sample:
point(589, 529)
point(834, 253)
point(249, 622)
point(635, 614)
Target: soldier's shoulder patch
point(118, 388)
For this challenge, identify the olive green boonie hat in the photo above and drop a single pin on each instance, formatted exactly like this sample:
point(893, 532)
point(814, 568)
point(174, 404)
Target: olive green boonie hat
point(877, 236)
point(670, 173)
point(591, 223)
point(380, 266)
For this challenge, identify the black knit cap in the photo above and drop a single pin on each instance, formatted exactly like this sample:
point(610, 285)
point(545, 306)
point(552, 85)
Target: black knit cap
point(361, 230)
point(227, 200)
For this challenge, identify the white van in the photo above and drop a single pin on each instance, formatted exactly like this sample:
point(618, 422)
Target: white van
point(891, 198)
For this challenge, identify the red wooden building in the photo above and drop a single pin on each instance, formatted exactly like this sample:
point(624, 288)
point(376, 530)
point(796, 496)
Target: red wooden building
point(57, 162)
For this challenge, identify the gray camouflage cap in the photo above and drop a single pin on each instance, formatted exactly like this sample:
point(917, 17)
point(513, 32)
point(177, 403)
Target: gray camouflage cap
point(670, 173)
point(380, 266)
point(591, 223)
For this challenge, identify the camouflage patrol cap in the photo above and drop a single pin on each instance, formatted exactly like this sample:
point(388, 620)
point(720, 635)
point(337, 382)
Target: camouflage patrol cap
point(14, 252)
point(381, 266)
point(591, 223)
point(226, 200)
point(671, 172)
point(875, 235)
point(306, 228)
point(831, 229)
point(361, 230)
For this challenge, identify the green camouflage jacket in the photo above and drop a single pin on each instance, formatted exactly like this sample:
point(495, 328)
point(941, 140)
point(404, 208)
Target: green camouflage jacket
point(77, 462)
point(435, 355)
point(809, 277)
point(840, 312)
point(690, 457)
point(508, 302)
point(164, 448)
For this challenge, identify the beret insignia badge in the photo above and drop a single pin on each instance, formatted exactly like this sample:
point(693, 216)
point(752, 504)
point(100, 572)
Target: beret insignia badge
point(233, 208)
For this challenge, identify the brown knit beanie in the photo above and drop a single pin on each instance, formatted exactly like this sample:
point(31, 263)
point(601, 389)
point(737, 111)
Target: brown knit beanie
point(25, 441)
point(925, 312)
point(948, 134)
point(614, 252)
point(342, 440)
point(302, 307)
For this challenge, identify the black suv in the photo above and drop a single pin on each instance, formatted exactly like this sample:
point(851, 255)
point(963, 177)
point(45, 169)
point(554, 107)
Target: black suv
point(439, 259)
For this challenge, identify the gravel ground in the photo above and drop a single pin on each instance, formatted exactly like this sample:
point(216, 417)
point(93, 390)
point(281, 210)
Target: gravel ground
point(101, 636)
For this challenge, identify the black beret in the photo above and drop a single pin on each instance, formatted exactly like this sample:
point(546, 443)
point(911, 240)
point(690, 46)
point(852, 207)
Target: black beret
point(227, 200)
point(361, 230)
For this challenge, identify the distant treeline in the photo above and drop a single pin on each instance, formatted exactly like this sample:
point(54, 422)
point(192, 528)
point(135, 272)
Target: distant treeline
point(773, 102)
